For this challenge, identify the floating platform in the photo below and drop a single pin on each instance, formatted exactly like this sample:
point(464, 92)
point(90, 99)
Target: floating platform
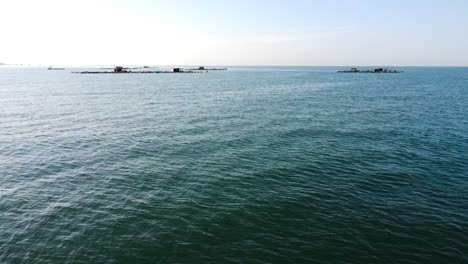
point(123, 70)
point(378, 70)
point(129, 72)
point(201, 68)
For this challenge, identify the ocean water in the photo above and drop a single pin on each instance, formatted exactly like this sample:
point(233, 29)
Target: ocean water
point(249, 165)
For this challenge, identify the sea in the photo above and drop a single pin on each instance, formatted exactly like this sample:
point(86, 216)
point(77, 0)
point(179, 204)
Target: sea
point(248, 165)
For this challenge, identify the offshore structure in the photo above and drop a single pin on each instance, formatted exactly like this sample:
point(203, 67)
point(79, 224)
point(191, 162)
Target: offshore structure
point(378, 70)
point(122, 70)
point(202, 68)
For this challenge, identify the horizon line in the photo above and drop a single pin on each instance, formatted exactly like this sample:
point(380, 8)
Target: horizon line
point(225, 65)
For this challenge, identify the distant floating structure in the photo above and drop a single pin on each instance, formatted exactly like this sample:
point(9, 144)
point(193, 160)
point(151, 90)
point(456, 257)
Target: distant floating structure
point(119, 69)
point(202, 68)
point(122, 70)
point(378, 70)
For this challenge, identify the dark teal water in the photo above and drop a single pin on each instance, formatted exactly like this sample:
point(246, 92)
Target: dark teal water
point(249, 165)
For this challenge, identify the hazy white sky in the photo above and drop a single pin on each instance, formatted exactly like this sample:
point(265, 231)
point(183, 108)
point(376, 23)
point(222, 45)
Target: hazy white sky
point(218, 32)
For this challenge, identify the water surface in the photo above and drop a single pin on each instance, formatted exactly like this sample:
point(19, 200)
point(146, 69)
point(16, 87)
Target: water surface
point(249, 165)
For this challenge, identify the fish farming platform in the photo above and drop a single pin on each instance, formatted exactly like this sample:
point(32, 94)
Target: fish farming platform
point(123, 70)
point(130, 72)
point(378, 70)
point(201, 68)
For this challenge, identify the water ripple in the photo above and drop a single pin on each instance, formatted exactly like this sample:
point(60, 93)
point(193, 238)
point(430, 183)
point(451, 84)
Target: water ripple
point(294, 165)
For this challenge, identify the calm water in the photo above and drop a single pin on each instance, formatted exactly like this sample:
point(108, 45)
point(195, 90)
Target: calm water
point(250, 165)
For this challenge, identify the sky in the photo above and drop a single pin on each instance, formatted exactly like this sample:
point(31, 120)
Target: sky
point(240, 32)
